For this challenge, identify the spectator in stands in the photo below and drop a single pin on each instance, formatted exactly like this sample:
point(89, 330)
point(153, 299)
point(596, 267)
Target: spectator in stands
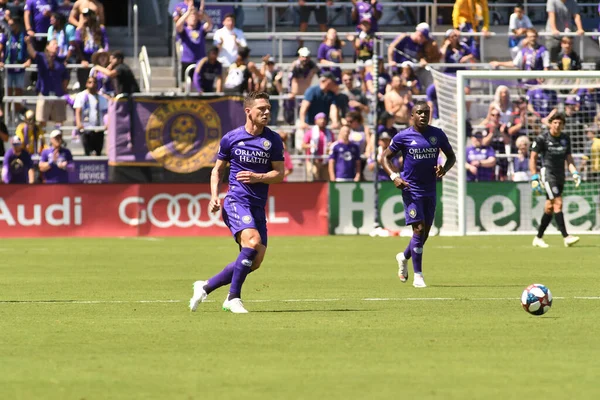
point(330, 53)
point(383, 80)
point(90, 109)
point(574, 126)
point(560, 15)
point(361, 135)
point(272, 83)
point(287, 159)
point(363, 42)
point(101, 58)
point(5, 15)
point(521, 161)
point(568, 59)
point(398, 101)
point(455, 52)
point(191, 33)
point(37, 20)
point(183, 6)
point(16, 9)
point(517, 126)
point(56, 161)
point(496, 135)
point(344, 159)
point(13, 50)
point(239, 76)
point(64, 34)
point(90, 38)
point(228, 40)
point(320, 15)
point(588, 100)
point(351, 98)
point(319, 99)
point(316, 143)
point(542, 102)
point(31, 134)
point(518, 25)
point(64, 8)
point(502, 103)
point(17, 166)
point(53, 80)
point(591, 158)
point(369, 11)
point(3, 136)
point(95, 6)
point(386, 124)
point(481, 160)
point(531, 57)
point(432, 102)
point(409, 47)
point(409, 78)
point(299, 80)
point(383, 144)
point(464, 18)
point(125, 82)
point(208, 73)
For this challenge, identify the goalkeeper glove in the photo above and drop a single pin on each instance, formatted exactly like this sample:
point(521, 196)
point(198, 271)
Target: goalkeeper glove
point(576, 179)
point(536, 184)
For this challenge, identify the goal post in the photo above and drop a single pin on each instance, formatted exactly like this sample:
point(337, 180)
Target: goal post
point(462, 215)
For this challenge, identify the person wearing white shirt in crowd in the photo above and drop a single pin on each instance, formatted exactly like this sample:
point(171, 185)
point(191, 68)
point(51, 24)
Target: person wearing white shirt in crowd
point(228, 40)
point(90, 109)
point(517, 29)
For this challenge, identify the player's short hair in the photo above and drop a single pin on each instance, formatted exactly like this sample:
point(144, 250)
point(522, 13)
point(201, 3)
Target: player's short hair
point(560, 116)
point(252, 97)
point(420, 103)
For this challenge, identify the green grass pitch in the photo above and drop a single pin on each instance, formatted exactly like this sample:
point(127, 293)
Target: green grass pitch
point(81, 319)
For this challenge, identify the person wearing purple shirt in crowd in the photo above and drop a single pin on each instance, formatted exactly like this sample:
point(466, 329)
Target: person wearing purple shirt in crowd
point(531, 57)
point(383, 80)
point(432, 101)
point(408, 75)
point(363, 42)
point(409, 47)
point(367, 9)
point(192, 33)
point(344, 159)
point(208, 73)
point(90, 38)
point(455, 51)
point(64, 8)
point(182, 7)
point(53, 80)
point(480, 160)
point(37, 19)
point(56, 161)
point(330, 53)
point(420, 145)
point(17, 166)
point(256, 158)
point(299, 80)
point(542, 102)
point(588, 100)
point(13, 50)
point(384, 142)
point(101, 58)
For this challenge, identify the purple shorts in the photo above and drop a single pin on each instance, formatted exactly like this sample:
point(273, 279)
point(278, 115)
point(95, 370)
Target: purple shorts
point(238, 216)
point(418, 208)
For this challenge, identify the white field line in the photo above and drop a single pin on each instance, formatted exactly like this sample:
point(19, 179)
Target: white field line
point(391, 299)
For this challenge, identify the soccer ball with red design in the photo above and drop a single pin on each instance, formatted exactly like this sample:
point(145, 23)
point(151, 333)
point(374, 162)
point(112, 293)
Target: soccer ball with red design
point(536, 299)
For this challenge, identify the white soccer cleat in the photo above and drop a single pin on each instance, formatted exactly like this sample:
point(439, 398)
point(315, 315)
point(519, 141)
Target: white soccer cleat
point(199, 295)
point(539, 242)
point(418, 281)
point(571, 240)
point(235, 306)
point(402, 267)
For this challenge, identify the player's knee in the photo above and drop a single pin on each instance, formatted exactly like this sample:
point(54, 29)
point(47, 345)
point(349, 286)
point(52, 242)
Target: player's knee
point(419, 229)
point(259, 257)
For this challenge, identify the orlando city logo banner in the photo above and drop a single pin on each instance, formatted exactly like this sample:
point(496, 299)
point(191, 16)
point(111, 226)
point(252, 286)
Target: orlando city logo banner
point(181, 134)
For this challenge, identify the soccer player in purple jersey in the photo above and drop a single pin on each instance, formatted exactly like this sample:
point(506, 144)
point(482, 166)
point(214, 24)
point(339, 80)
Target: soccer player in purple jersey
point(255, 155)
point(420, 145)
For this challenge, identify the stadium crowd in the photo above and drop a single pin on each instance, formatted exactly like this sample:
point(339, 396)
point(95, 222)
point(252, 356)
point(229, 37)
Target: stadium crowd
point(325, 112)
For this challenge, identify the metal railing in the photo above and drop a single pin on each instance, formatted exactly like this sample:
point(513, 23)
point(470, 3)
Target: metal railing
point(145, 70)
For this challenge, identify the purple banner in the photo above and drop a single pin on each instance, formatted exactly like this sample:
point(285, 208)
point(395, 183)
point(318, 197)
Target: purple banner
point(92, 171)
point(180, 134)
point(217, 13)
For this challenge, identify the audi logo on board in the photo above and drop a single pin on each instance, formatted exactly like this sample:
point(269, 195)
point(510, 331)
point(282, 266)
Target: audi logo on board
point(165, 210)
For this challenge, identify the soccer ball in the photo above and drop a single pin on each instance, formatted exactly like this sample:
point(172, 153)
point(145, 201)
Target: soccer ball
point(536, 299)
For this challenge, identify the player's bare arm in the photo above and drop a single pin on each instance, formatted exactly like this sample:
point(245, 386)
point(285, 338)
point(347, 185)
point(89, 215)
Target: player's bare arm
point(215, 180)
point(441, 170)
point(533, 160)
point(573, 170)
point(274, 176)
point(388, 167)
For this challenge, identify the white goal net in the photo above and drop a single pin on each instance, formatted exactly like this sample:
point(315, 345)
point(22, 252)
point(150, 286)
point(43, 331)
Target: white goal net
point(491, 125)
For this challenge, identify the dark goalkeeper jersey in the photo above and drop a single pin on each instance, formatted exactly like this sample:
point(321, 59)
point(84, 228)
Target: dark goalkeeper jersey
point(553, 152)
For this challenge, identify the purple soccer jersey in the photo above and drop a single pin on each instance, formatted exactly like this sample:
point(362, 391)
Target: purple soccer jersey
point(411, 49)
point(89, 45)
point(192, 41)
point(56, 174)
point(542, 100)
point(384, 79)
point(37, 8)
point(480, 154)
point(365, 10)
point(50, 78)
point(246, 152)
point(345, 156)
point(453, 56)
point(420, 153)
point(326, 52)
point(15, 168)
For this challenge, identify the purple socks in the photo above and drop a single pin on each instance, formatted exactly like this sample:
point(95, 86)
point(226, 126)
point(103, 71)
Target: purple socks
point(221, 279)
point(228, 274)
point(414, 250)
